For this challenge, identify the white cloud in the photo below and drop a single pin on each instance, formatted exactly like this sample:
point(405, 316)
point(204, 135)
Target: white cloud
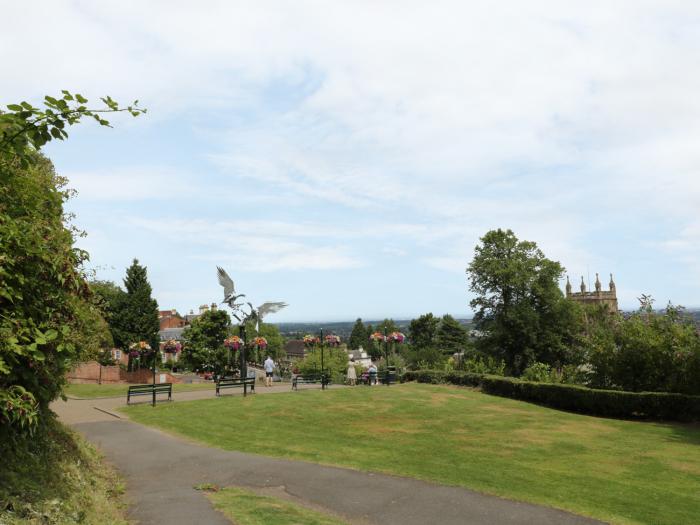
point(400, 121)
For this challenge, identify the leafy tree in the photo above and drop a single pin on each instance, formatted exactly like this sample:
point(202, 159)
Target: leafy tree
point(335, 363)
point(110, 299)
point(386, 326)
point(359, 336)
point(520, 311)
point(647, 351)
point(275, 342)
point(451, 337)
point(423, 331)
point(204, 342)
point(48, 321)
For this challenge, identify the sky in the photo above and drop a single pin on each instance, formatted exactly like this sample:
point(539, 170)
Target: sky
point(346, 157)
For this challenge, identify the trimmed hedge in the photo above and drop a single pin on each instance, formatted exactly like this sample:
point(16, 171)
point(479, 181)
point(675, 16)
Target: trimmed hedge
point(605, 403)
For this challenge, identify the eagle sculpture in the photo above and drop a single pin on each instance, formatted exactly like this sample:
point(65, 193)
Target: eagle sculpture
point(230, 299)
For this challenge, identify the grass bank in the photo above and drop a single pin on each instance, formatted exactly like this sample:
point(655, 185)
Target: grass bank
point(617, 471)
point(55, 477)
point(244, 507)
point(92, 391)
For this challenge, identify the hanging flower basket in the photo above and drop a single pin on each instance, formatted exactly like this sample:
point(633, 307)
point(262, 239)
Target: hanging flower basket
point(332, 340)
point(136, 349)
point(233, 342)
point(310, 340)
point(172, 346)
point(377, 337)
point(260, 342)
point(397, 337)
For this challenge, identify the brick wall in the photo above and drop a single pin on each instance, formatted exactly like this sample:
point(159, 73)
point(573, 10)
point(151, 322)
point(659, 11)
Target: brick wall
point(90, 373)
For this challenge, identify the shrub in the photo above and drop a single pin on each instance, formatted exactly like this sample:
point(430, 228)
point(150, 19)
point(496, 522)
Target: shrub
point(538, 372)
point(605, 403)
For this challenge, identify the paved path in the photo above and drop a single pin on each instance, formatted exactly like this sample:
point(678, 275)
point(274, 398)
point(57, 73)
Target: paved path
point(161, 471)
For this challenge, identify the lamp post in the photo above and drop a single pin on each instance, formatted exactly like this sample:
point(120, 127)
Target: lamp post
point(323, 377)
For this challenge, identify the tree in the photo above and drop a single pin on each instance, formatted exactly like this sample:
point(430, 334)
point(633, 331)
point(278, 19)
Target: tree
point(647, 351)
point(48, 321)
point(451, 336)
point(359, 336)
point(204, 342)
point(422, 332)
point(110, 299)
point(520, 311)
point(136, 317)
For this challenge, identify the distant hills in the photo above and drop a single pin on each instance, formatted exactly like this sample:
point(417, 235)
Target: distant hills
point(341, 328)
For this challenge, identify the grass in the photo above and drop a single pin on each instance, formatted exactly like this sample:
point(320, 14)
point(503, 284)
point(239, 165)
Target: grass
point(243, 507)
point(55, 477)
point(93, 390)
point(617, 471)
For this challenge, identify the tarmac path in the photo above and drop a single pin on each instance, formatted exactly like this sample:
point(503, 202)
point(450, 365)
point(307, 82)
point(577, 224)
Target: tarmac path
point(162, 470)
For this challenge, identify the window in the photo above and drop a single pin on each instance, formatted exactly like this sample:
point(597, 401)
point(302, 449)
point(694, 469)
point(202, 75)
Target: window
point(117, 354)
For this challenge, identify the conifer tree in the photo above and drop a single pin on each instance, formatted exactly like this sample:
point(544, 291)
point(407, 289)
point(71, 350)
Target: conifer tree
point(451, 336)
point(359, 336)
point(138, 311)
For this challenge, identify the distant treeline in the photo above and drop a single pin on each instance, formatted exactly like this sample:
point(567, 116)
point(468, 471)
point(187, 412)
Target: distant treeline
point(340, 328)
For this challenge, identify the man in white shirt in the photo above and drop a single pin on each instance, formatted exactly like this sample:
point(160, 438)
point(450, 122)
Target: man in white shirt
point(269, 366)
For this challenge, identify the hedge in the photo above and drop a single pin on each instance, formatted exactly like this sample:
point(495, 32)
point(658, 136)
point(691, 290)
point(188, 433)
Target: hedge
point(605, 403)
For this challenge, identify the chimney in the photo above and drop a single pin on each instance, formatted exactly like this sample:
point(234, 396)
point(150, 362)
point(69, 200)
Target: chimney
point(213, 307)
point(203, 308)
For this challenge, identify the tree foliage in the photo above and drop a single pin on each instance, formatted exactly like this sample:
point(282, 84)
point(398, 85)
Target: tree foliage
point(423, 331)
point(137, 317)
point(521, 313)
point(204, 348)
point(452, 337)
point(359, 336)
point(647, 351)
point(48, 320)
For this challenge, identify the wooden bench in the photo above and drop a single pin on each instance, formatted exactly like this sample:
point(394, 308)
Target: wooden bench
point(309, 380)
point(231, 382)
point(150, 390)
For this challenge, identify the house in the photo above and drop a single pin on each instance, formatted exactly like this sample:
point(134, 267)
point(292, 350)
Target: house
point(170, 319)
point(295, 349)
point(360, 357)
point(119, 356)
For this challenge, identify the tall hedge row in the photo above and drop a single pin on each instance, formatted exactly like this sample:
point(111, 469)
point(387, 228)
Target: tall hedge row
point(605, 403)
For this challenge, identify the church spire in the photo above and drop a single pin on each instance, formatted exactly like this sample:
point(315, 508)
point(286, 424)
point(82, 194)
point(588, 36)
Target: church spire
point(568, 286)
point(597, 283)
point(583, 285)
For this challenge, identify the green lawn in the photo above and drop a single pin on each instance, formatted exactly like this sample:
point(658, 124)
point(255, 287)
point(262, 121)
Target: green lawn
point(91, 391)
point(243, 507)
point(617, 471)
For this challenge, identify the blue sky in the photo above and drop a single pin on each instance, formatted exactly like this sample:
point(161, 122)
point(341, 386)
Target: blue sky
point(347, 156)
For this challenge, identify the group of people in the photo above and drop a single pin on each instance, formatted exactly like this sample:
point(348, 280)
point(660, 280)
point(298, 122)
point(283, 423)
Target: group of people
point(369, 375)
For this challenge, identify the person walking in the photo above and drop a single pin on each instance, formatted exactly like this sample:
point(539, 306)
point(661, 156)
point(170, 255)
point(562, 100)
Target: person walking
point(269, 366)
point(352, 374)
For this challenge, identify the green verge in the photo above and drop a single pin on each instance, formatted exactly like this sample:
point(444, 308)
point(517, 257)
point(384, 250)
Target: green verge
point(92, 390)
point(617, 471)
point(56, 477)
point(243, 507)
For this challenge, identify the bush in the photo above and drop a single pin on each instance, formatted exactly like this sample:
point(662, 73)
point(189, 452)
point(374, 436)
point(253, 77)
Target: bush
point(538, 373)
point(605, 403)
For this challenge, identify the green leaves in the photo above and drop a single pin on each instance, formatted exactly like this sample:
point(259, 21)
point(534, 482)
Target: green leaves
point(26, 128)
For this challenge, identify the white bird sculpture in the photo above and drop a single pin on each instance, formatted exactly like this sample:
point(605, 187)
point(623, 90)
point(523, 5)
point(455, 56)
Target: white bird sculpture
point(230, 296)
point(264, 309)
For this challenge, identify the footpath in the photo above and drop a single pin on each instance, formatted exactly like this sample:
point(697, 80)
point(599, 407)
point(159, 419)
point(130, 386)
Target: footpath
point(161, 472)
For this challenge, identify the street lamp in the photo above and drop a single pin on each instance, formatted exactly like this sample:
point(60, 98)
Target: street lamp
point(394, 338)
